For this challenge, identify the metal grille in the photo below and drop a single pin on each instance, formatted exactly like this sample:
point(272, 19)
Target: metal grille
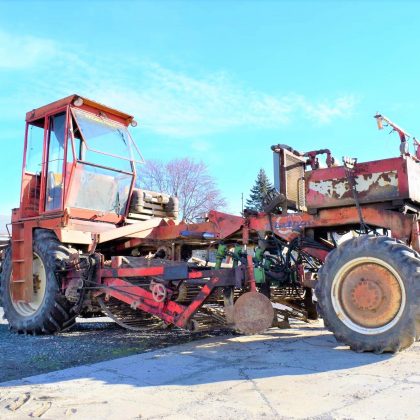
point(294, 171)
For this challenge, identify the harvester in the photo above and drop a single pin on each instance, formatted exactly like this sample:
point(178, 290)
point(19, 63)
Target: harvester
point(341, 241)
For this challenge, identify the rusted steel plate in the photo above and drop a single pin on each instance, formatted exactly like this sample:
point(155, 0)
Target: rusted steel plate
point(253, 313)
point(292, 225)
point(375, 181)
point(413, 176)
point(377, 186)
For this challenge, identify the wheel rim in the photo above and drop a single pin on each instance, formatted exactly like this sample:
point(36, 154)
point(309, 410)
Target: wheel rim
point(368, 295)
point(28, 309)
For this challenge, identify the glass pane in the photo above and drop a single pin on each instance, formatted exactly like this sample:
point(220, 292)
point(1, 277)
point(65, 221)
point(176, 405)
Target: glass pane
point(108, 143)
point(108, 161)
point(54, 190)
point(139, 176)
point(138, 157)
point(34, 150)
point(99, 189)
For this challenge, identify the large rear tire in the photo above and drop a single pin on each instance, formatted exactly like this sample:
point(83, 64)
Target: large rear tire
point(48, 311)
point(369, 294)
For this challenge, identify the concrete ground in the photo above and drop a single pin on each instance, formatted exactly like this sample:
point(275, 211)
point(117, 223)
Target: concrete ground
point(89, 341)
point(297, 373)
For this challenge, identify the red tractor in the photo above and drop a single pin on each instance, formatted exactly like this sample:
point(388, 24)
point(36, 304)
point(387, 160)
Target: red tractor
point(88, 240)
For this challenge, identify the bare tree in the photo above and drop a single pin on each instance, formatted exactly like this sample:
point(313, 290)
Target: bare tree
point(186, 179)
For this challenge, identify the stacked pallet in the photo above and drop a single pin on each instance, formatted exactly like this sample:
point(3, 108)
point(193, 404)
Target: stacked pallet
point(147, 205)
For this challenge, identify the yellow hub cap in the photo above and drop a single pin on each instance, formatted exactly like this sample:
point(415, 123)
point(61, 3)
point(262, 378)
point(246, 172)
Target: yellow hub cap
point(38, 293)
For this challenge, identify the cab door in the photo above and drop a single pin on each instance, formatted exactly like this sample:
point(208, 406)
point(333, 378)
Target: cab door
point(54, 162)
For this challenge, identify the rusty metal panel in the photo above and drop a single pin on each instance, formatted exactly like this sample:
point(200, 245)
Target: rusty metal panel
point(289, 170)
point(376, 181)
point(413, 176)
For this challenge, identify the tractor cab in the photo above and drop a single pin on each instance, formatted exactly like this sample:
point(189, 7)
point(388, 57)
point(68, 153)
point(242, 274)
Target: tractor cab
point(80, 158)
point(78, 155)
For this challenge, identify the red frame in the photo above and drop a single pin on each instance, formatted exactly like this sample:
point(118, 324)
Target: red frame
point(167, 310)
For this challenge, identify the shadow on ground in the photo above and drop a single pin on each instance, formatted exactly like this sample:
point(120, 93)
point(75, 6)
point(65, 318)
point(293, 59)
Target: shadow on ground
point(302, 350)
point(86, 343)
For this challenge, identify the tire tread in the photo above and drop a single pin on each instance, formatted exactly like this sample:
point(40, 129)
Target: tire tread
point(404, 259)
point(58, 315)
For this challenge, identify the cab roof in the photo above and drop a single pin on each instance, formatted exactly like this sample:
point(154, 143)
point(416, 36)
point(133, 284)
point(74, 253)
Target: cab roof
point(88, 104)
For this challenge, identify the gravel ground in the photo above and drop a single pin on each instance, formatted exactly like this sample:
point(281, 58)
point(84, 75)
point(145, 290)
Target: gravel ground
point(89, 341)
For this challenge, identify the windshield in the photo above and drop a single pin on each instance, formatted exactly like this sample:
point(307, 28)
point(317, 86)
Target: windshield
point(99, 189)
point(106, 154)
point(106, 142)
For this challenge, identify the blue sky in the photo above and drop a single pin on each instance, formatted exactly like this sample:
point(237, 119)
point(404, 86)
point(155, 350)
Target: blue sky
point(219, 81)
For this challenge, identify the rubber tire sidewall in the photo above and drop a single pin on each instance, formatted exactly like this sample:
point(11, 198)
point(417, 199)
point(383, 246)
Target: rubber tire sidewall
point(403, 260)
point(42, 320)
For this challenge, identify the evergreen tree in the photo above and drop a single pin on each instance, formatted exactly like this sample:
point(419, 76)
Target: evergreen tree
point(259, 191)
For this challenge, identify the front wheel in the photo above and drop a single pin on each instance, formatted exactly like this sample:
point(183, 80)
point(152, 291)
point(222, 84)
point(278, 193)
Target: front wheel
point(48, 311)
point(369, 294)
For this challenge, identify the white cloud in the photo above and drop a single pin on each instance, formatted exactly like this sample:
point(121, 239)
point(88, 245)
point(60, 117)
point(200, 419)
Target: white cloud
point(23, 52)
point(164, 101)
point(323, 112)
point(175, 104)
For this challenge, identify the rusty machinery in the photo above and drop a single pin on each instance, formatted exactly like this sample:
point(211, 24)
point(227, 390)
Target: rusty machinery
point(87, 240)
